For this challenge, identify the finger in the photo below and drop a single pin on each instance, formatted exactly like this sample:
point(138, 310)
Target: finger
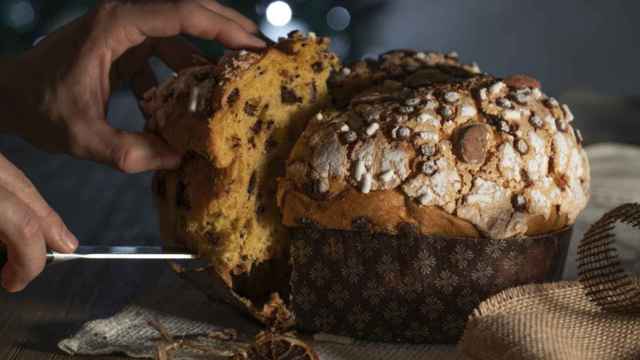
point(130, 24)
point(177, 52)
point(21, 232)
point(130, 152)
point(56, 234)
point(231, 14)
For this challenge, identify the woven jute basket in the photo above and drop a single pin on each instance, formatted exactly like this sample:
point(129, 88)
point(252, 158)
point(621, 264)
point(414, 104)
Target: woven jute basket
point(597, 317)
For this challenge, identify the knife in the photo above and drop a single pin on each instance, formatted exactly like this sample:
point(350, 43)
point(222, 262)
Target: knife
point(112, 253)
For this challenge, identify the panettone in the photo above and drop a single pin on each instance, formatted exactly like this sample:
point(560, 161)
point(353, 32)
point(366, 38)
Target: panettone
point(236, 122)
point(427, 187)
point(442, 147)
point(409, 187)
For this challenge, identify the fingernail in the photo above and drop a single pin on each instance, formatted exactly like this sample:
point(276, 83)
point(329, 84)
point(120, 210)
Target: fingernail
point(70, 241)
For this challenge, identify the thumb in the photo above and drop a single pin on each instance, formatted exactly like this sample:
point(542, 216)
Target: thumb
point(132, 152)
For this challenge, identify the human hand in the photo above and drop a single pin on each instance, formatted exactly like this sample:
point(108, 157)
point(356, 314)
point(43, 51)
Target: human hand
point(55, 96)
point(28, 227)
point(61, 87)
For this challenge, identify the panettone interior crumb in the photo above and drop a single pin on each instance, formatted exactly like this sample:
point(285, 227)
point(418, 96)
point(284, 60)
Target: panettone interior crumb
point(225, 190)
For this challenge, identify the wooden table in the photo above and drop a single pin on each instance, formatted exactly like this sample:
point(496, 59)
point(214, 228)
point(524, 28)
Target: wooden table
point(53, 307)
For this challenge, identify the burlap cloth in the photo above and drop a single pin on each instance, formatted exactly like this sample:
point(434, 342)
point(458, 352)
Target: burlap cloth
point(552, 321)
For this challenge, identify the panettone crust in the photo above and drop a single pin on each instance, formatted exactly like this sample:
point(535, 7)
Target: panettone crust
point(441, 146)
point(236, 122)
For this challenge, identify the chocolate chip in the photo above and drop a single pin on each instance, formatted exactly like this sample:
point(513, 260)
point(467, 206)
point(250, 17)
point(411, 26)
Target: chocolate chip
point(349, 136)
point(519, 202)
point(182, 200)
point(288, 96)
point(212, 238)
point(233, 96)
point(317, 67)
point(471, 143)
point(561, 125)
point(500, 124)
point(252, 183)
point(235, 141)
point(522, 146)
point(428, 150)
point(270, 145)
point(251, 107)
point(429, 167)
point(520, 81)
point(536, 122)
point(257, 126)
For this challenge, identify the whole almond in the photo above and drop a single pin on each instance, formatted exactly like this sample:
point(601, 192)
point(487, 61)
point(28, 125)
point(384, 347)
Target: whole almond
point(471, 143)
point(520, 81)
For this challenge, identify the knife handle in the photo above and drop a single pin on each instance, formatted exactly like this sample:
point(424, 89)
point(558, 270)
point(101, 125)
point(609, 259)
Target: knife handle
point(4, 256)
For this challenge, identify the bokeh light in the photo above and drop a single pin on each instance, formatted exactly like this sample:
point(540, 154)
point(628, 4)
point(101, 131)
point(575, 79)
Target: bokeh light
point(279, 13)
point(338, 18)
point(20, 15)
point(274, 32)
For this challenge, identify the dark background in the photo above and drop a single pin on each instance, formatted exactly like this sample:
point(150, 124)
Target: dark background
point(585, 53)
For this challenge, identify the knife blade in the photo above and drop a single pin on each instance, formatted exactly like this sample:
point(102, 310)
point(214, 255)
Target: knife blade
point(112, 253)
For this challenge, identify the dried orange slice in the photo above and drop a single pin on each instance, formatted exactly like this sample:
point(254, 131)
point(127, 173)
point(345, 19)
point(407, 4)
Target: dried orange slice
point(270, 346)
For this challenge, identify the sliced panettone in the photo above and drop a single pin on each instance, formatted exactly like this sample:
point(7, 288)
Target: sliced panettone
point(237, 121)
